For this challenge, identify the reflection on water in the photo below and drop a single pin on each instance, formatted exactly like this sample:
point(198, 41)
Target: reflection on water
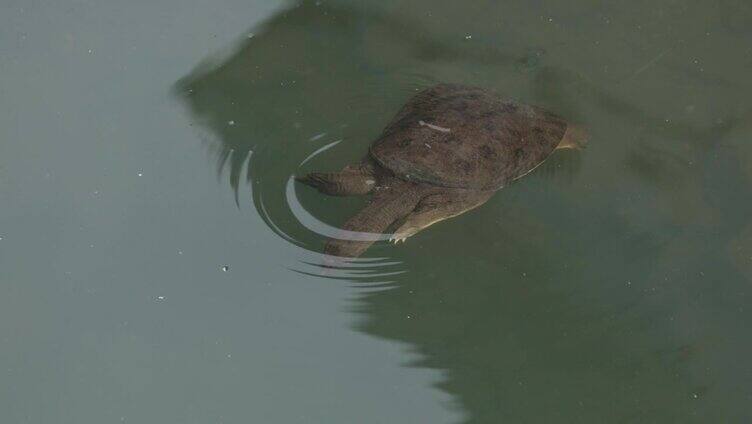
point(613, 286)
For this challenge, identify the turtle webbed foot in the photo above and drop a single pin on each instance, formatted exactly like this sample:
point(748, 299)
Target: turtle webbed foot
point(403, 232)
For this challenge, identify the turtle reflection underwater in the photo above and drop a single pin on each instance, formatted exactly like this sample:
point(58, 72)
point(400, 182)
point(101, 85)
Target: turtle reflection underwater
point(444, 153)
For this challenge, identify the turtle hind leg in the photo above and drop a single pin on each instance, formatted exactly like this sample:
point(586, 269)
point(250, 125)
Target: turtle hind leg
point(351, 181)
point(438, 207)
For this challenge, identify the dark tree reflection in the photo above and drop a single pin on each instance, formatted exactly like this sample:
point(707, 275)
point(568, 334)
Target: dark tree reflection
point(574, 303)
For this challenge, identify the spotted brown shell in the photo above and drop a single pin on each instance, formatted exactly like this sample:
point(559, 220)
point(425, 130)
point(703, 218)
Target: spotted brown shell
point(466, 137)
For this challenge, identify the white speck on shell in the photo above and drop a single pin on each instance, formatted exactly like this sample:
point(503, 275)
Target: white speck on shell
point(434, 127)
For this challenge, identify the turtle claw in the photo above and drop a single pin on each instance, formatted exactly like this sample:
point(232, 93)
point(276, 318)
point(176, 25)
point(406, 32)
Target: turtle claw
point(396, 239)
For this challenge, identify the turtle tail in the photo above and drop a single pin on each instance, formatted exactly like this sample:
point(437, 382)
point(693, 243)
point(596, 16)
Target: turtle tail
point(366, 226)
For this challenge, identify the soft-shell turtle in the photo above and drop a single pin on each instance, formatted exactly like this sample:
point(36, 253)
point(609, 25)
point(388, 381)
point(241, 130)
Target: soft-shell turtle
point(446, 152)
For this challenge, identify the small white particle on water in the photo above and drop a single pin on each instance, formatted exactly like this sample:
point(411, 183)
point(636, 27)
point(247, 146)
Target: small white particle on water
point(250, 35)
point(231, 123)
point(140, 174)
point(317, 136)
point(160, 298)
point(180, 252)
point(91, 51)
point(409, 317)
point(468, 37)
point(225, 268)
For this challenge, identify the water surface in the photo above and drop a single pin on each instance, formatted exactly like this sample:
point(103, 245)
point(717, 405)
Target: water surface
point(158, 265)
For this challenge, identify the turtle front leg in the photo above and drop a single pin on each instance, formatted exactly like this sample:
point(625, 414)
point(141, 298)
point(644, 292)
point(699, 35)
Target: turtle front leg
point(437, 207)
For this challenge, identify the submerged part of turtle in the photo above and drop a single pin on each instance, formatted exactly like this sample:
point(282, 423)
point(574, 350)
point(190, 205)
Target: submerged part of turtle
point(446, 152)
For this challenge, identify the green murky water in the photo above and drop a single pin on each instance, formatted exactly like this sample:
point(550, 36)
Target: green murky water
point(157, 264)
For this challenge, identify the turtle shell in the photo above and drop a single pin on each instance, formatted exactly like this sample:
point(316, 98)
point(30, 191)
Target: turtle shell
point(466, 137)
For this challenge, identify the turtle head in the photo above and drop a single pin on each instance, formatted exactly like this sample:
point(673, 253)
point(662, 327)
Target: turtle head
point(576, 137)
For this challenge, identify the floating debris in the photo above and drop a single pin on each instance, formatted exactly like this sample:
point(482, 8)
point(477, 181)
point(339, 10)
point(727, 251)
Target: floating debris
point(468, 36)
point(160, 298)
point(225, 268)
point(317, 136)
point(230, 123)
